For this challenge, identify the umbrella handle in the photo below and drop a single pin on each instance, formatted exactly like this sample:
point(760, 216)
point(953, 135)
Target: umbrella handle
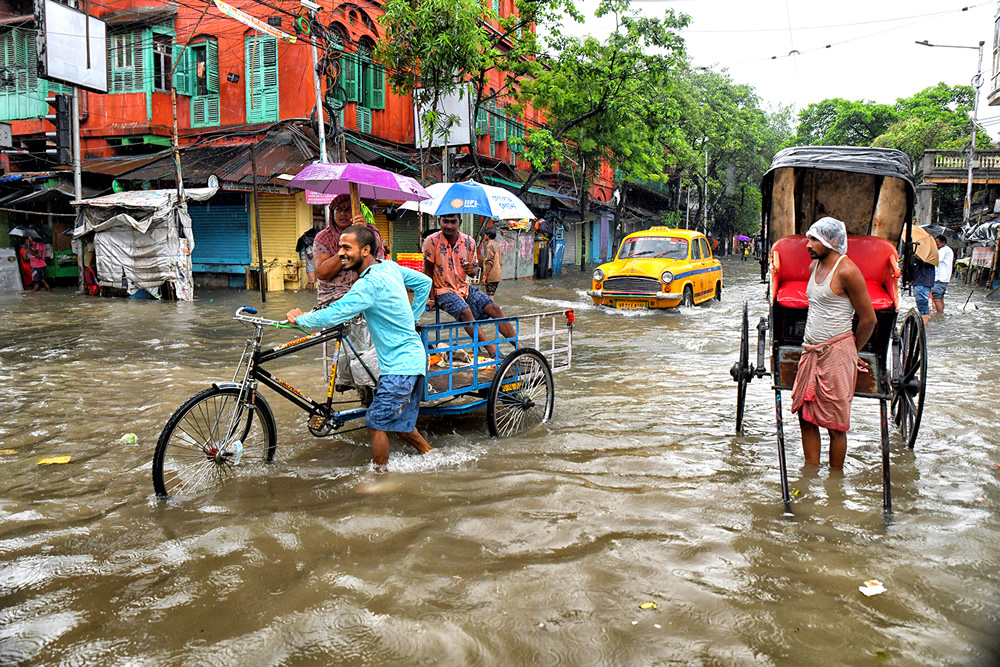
point(355, 201)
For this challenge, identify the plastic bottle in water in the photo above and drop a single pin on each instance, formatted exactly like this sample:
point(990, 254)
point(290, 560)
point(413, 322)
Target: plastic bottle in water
point(238, 451)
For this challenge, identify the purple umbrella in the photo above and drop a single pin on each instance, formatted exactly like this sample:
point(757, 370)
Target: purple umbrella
point(358, 180)
point(741, 237)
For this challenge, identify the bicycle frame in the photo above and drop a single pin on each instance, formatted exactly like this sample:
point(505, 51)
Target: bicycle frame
point(250, 370)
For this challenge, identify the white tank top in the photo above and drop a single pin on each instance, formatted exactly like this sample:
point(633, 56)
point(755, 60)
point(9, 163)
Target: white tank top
point(829, 314)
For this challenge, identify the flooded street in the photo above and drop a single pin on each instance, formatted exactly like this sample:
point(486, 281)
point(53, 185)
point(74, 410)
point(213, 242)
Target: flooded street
point(538, 549)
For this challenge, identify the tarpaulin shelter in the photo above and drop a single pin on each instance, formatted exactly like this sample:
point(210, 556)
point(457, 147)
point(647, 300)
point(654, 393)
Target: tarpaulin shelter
point(143, 237)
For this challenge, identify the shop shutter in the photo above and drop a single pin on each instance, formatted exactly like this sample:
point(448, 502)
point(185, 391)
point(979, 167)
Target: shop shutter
point(382, 224)
point(569, 236)
point(278, 228)
point(221, 237)
point(406, 234)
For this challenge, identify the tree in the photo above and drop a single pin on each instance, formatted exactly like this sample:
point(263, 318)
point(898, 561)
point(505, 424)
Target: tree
point(604, 101)
point(839, 122)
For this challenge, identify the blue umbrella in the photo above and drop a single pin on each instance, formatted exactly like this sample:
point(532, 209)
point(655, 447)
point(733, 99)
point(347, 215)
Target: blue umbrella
point(471, 197)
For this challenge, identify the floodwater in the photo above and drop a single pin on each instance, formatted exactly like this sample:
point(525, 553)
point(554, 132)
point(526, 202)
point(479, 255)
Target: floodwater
point(538, 549)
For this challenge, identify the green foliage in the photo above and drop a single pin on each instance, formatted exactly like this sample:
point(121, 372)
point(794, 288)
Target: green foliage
point(608, 100)
point(934, 118)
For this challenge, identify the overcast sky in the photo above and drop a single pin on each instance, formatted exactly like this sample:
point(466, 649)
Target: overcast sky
point(780, 46)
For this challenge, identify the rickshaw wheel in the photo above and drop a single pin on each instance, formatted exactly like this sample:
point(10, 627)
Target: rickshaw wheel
point(908, 388)
point(522, 394)
point(741, 370)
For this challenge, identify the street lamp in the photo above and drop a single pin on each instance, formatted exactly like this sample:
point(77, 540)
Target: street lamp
point(977, 82)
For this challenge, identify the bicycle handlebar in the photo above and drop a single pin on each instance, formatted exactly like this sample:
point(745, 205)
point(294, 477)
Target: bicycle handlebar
point(243, 314)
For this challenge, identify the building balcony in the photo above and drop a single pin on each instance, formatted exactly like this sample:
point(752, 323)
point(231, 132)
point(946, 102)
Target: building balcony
point(953, 167)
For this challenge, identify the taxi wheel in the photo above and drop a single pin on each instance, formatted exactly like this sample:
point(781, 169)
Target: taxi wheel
point(718, 291)
point(688, 300)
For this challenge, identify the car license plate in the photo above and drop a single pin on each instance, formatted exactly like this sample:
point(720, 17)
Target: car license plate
point(631, 305)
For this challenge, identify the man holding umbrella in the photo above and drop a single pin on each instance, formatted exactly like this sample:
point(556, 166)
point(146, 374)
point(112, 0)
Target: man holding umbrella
point(449, 259)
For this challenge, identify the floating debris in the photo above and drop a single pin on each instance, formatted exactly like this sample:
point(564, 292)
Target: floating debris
point(647, 605)
point(53, 460)
point(872, 587)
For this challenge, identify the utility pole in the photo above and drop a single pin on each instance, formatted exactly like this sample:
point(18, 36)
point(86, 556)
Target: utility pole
point(977, 83)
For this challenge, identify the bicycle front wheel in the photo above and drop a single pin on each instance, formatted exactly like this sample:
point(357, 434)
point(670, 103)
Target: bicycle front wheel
point(212, 437)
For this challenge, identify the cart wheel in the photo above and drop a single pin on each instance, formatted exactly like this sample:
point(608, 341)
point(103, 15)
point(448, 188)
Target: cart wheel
point(522, 394)
point(909, 385)
point(741, 370)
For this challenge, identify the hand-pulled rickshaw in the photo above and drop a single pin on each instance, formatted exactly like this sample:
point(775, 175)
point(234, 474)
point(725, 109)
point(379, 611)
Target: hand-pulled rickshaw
point(871, 190)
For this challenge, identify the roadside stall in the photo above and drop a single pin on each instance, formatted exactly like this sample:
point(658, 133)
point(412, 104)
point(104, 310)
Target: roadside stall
point(142, 241)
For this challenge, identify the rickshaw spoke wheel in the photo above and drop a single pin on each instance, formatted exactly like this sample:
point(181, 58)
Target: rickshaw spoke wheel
point(741, 372)
point(522, 394)
point(907, 402)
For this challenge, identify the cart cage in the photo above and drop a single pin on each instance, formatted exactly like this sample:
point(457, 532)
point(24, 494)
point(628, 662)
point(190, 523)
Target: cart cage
point(870, 189)
point(468, 366)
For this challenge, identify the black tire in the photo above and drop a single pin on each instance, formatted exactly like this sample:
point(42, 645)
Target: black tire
point(907, 404)
point(196, 450)
point(688, 299)
point(522, 394)
point(743, 379)
point(718, 291)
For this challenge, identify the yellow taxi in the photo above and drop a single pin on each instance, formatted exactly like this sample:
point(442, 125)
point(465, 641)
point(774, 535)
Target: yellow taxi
point(659, 268)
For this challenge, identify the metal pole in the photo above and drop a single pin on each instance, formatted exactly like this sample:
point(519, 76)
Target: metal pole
point(77, 178)
point(256, 215)
point(977, 82)
point(319, 97)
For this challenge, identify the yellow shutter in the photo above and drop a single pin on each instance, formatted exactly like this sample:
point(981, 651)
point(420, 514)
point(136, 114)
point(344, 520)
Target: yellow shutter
point(279, 228)
point(382, 225)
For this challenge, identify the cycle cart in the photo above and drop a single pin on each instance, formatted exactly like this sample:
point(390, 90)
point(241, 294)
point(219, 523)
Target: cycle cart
point(872, 191)
point(230, 426)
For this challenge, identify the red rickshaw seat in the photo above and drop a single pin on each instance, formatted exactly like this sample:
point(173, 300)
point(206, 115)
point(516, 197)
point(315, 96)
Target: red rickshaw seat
point(876, 258)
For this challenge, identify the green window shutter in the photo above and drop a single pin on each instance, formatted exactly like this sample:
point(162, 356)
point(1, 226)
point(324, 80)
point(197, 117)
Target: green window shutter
point(143, 81)
point(482, 122)
point(364, 116)
point(496, 7)
point(184, 71)
point(212, 66)
point(25, 98)
point(261, 79)
point(350, 74)
point(376, 99)
point(199, 111)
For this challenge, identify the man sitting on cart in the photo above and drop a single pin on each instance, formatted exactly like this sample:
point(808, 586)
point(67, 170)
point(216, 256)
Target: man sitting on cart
point(449, 258)
point(380, 294)
point(829, 365)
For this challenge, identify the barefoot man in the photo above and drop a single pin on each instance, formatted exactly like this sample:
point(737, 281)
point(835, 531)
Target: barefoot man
point(829, 366)
point(380, 293)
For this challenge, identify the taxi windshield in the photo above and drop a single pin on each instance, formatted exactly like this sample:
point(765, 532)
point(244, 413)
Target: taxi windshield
point(662, 247)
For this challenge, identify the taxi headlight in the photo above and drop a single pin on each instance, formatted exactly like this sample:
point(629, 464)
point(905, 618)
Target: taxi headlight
point(667, 277)
point(598, 275)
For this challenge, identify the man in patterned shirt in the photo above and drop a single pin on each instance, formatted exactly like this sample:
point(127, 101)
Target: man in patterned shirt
point(449, 259)
point(334, 281)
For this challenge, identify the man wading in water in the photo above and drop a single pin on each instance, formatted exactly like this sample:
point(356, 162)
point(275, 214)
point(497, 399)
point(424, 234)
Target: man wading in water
point(829, 366)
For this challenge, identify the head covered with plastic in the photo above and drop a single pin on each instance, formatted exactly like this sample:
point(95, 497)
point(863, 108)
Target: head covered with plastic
point(830, 232)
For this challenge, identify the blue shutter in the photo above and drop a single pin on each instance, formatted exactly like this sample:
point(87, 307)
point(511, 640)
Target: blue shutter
point(222, 237)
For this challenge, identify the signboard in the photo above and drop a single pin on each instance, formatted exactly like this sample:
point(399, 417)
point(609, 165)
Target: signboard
point(456, 104)
point(256, 24)
point(318, 198)
point(72, 47)
point(982, 256)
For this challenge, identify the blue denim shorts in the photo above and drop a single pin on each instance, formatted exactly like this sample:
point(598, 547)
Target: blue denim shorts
point(921, 294)
point(396, 403)
point(453, 304)
point(939, 289)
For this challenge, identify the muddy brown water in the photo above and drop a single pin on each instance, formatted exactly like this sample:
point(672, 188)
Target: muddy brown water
point(538, 549)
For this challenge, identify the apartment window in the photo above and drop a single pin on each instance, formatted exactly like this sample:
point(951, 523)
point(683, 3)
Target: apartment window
point(163, 62)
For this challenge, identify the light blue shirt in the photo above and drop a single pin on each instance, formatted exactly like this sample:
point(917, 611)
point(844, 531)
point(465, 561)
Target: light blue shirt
point(380, 294)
